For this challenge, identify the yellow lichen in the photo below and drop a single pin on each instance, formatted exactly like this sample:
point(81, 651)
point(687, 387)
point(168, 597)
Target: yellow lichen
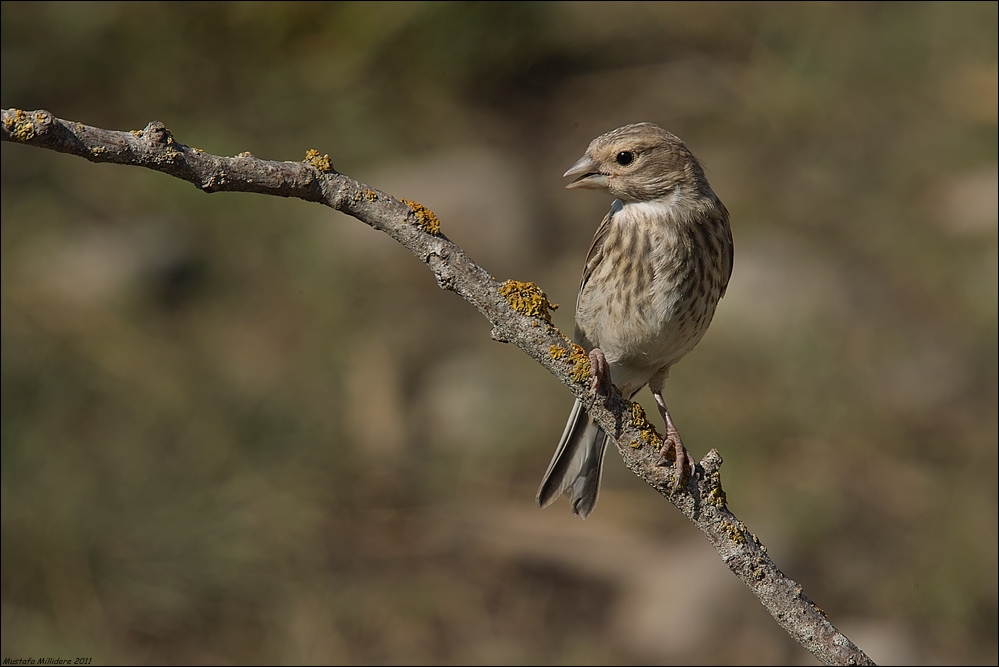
point(245, 154)
point(575, 355)
point(320, 162)
point(528, 298)
point(733, 531)
point(137, 133)
point(20, 125)
point(425, 218)
point(580, 361)
point(367, 194)
point(647, 432)
point(717, 497)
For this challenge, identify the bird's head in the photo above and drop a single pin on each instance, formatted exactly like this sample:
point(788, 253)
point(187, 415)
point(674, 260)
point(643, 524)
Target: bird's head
point(638, 162)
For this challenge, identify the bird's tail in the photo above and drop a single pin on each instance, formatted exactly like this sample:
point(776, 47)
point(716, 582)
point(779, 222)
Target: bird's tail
point(575, 468)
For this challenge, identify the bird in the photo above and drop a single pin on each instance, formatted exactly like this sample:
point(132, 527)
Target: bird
point(658, 264)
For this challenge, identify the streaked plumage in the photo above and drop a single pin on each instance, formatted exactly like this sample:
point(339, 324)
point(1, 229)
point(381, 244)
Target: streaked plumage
point(659, 263)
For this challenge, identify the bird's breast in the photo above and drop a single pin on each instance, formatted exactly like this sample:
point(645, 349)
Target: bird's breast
point(650, 299)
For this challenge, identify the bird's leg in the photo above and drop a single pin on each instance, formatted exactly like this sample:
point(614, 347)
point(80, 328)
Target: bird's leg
point(599, 374)
point(684, 461)
point(599, 371)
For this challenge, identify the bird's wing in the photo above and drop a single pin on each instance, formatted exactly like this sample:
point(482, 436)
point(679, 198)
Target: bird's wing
point(730, 248)
point(593, 257)
point(596, 251)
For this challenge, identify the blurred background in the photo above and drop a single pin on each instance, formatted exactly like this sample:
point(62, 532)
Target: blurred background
point(242, 429)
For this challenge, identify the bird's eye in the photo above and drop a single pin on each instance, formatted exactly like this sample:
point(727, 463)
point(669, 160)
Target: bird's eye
point(624, 158)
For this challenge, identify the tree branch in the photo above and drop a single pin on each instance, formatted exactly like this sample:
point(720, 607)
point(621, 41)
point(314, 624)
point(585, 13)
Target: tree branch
point(518, 313)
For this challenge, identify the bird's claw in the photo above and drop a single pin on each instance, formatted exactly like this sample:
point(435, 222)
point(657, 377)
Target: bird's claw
point(599, 371)
point(683, 462)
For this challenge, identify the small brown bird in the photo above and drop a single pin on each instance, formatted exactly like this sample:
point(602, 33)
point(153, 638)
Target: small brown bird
point(658, 264)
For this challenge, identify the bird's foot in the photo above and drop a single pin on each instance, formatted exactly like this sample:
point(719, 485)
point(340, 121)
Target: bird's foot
point(683, 462)
point(599, 371)
point(600, 380)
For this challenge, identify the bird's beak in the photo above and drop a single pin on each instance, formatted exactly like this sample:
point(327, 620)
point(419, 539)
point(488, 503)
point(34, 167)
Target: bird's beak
point(588, 176)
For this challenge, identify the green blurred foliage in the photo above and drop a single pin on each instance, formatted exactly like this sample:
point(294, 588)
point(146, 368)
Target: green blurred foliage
point(244, 429)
